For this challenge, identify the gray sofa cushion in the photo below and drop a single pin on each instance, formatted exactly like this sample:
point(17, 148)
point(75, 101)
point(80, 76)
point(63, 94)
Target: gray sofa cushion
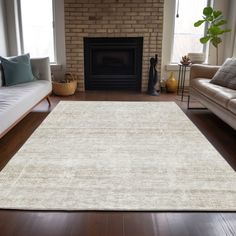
point(1, 77)
point(2, 82)
point(226, 75)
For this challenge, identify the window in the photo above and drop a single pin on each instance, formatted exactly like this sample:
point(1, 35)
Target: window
point(186, 36)
point(36, 24)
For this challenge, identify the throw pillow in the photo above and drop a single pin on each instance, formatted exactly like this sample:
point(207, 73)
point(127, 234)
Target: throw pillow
point(226, 75)
point(17, 70)
point(1, 76)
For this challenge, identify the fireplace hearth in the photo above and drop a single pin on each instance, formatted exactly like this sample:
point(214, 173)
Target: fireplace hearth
point(113, 63)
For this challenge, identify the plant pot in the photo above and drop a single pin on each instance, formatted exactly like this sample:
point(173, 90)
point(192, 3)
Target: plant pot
point(64, 89)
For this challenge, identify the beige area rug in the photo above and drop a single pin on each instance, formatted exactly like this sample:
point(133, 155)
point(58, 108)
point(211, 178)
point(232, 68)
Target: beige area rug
point(118, 156)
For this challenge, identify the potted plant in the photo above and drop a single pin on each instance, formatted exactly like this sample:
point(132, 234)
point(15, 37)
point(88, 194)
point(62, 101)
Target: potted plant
point(66, 86)
point(215, 23)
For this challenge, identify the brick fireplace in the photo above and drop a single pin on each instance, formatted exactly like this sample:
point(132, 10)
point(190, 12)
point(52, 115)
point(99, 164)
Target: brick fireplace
point(113, 63)
point(112, 18)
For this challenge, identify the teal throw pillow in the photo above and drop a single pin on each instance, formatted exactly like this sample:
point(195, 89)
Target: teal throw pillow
point(17, 70)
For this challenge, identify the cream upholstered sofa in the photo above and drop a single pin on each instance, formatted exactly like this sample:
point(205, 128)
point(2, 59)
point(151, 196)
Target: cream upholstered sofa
point(220, 100)
point(17, 101)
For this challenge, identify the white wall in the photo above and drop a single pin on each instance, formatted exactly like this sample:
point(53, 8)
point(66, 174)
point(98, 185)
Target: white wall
point(168, 31)
point(59, 71)
point(12, 28)
point(222, 6)
point(230, 50)
point(3, 33)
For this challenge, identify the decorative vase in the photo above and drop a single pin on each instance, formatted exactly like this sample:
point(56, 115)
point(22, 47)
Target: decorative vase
point(171, 84)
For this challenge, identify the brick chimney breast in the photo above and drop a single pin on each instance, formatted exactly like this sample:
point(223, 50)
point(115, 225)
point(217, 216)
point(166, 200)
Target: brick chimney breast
point(112, 18)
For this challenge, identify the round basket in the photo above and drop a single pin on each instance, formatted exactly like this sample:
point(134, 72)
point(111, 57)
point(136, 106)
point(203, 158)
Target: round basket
point(65, 88)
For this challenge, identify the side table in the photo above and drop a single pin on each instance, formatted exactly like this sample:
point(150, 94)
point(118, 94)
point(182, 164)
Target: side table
point(181, 79)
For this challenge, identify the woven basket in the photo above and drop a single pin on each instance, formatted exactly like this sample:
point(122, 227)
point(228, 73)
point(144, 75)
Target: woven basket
point(66, 88)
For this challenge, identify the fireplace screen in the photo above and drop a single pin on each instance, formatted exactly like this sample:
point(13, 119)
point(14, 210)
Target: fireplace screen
point(110, 61)
point(113, 63)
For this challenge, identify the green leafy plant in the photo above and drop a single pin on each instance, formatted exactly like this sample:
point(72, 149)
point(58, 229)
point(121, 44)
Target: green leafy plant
point(215, 28)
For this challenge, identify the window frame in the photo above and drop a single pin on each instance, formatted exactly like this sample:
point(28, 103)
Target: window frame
point(205, 46)
point(20, 26)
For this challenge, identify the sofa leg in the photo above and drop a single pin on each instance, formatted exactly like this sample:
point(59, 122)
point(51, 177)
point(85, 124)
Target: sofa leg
point(194, 108)
point(188, 102)
point(48, 100)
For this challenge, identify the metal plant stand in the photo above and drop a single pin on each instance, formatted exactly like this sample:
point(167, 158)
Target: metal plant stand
point(181, 80)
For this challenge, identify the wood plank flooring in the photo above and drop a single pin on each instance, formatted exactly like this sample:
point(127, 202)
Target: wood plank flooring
point(24, 223)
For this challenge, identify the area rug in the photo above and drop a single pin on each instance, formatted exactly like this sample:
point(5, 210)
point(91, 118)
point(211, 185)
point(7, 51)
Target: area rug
point(131, 156)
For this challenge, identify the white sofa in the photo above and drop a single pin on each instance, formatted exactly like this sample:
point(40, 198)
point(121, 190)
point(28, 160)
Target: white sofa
point(17, 101)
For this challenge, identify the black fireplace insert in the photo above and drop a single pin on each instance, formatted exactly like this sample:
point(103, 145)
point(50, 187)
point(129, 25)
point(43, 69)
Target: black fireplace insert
point(113, 63)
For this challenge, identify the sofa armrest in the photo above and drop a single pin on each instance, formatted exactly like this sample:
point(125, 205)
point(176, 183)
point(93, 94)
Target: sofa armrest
point(41, 68)
point(203, 71)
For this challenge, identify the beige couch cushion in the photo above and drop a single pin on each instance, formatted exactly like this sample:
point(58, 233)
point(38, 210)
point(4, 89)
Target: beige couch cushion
point(219, 94)
point(232, 106)
point(226, 75)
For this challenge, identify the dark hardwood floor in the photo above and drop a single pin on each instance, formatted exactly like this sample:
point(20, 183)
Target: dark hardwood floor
point(119, 223)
